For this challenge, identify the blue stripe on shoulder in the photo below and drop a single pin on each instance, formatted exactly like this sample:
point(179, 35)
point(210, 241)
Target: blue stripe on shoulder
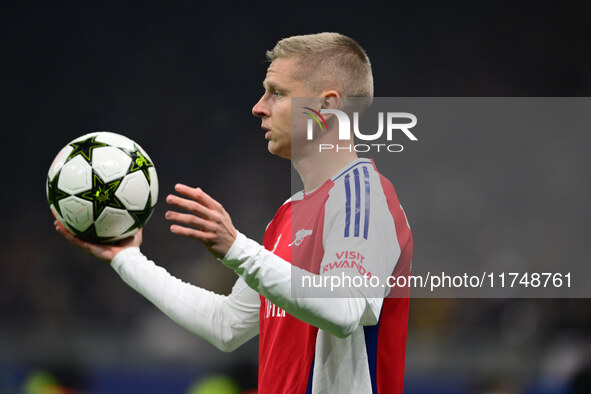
point(360, 206)
point(367, 203)
point(347, 206)
point(357, 201)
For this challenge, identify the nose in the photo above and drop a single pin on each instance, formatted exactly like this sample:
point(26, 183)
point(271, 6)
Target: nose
point(261, 109)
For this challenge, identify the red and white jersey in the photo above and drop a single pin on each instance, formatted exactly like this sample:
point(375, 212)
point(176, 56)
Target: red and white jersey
point(353, 224)
point(353, 342)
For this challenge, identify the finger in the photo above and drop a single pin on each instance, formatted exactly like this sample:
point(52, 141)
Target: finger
point(197, 194)
point(58, 224)
point(191, 233)
point(60, 228)
point(189, 205)
point(189, 220)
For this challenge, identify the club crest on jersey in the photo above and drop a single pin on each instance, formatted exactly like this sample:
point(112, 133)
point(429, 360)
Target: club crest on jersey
point(300, 235)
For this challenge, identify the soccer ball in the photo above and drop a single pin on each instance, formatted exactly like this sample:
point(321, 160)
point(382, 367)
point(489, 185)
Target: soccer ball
point(102, 187)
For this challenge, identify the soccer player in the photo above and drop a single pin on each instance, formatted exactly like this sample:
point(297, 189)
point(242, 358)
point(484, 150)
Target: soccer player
point(346, 222)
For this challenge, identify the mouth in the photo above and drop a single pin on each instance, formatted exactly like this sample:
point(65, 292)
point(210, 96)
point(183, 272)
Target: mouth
point(267, 132)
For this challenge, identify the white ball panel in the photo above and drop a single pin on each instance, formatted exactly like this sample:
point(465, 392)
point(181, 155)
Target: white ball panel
point(76, 212)
point(114, 139)
point(134, 191)
point(113, 222)
point(110, 163)
point(75, 176)
point(153, 185)
point(59, 161)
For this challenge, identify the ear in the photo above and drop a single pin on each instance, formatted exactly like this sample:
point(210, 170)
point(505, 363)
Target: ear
point(331, 99)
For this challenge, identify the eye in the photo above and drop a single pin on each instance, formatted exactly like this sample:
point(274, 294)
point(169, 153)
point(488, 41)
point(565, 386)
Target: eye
point(276, 93)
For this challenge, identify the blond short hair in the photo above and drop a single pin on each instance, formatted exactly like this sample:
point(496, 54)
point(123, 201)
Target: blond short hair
point(328, 61)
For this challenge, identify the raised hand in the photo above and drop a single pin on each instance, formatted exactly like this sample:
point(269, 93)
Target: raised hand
point(205, 219)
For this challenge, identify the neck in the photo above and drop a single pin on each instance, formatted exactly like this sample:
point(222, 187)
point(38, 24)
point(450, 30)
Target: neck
point(316, 167)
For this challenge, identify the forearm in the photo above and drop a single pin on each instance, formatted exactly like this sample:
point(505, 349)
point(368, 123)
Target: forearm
point(224, 321)
point(271, 276)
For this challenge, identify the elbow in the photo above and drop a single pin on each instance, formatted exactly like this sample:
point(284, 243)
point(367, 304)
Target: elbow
point(344, 331)
point(344, 319)
point(343, 327)
point(227, 342)
point(231, 338)
point(226, 347)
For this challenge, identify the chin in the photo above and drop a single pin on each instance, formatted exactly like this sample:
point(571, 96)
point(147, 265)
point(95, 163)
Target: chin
point(281, 151)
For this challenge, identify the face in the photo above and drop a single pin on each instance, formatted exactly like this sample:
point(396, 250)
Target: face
point(274, 107)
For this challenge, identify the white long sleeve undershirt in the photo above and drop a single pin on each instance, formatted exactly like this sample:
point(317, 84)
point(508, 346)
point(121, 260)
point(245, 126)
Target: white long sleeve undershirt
point(225, 321)
point(229, 321)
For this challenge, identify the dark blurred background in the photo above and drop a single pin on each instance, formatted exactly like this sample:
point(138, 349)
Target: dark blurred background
point(181, 78)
